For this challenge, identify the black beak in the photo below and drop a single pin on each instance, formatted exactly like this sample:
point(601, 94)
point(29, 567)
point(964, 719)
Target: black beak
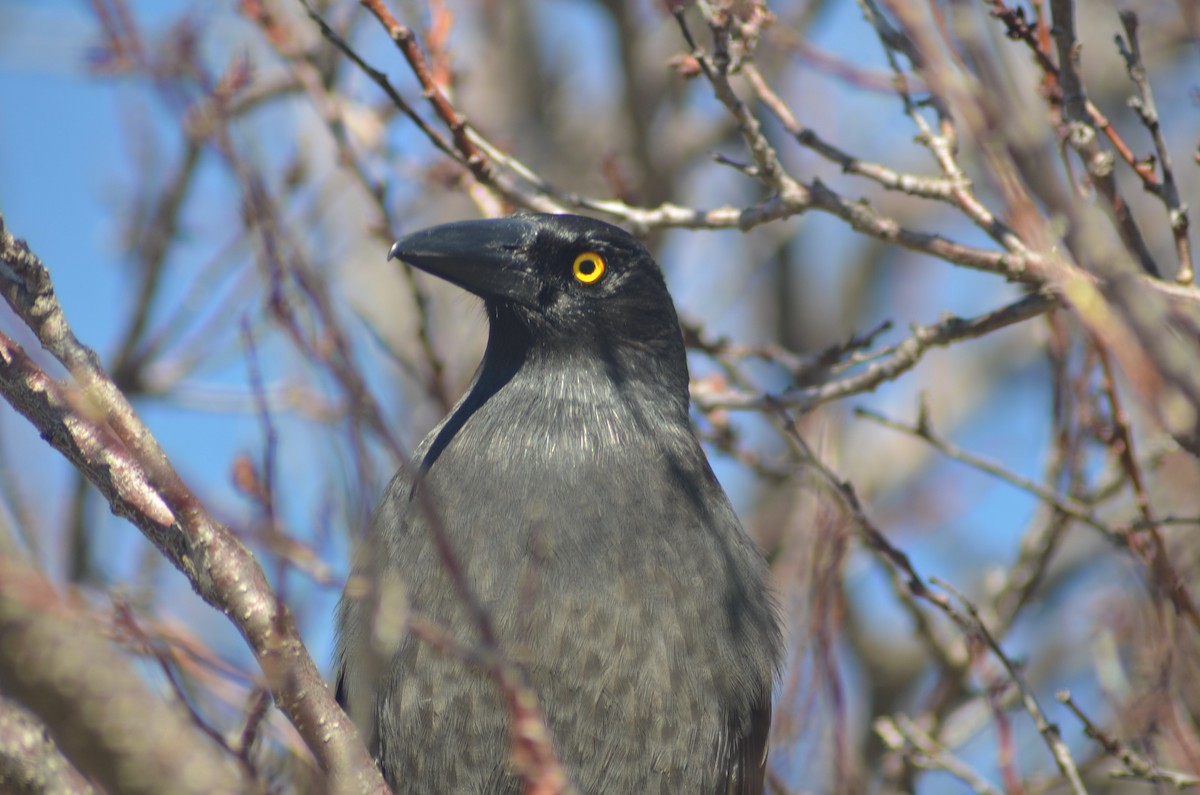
point(485, 257)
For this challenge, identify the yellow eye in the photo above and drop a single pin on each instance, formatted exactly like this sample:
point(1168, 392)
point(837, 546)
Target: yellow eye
point(588, 267)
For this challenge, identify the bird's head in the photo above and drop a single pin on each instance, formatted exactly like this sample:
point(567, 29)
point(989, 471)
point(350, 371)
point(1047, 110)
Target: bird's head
point(561, 289)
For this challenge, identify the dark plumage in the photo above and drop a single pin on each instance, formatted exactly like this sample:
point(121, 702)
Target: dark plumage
point(588, 522)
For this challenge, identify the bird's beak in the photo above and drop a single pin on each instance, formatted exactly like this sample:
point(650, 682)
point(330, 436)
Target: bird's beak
point(485, 257)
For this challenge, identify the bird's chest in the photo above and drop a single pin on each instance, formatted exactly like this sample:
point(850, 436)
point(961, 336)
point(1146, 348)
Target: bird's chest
point(596, 540)
point(612, 569)
point(552, 495)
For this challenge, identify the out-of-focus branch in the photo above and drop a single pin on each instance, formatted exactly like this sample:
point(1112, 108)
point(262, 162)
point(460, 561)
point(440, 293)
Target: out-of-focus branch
point(1146, 540)
point(1036, 37)
point(94, 426)
point(525, 188)
point(926, 187)
point(1137, 767)
point(408, 45)
point(1081, 135)
point(1049, 730)
point(1100, 281)
point(967, 619)
point(30, 761)
point(1147, 110)
point(715, 66)
point(889, 365)
point(923, 429)
point(332, 111)
point(1163, 576)
point(902, 734)
point(97, 707)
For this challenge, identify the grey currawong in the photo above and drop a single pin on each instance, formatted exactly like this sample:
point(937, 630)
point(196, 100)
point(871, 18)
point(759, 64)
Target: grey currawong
point(586, 518)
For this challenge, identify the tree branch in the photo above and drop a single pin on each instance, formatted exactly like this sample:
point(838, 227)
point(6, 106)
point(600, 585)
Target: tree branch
point(93, 425)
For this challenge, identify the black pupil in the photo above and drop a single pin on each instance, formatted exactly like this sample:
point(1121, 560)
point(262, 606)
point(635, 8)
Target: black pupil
point(587, 267)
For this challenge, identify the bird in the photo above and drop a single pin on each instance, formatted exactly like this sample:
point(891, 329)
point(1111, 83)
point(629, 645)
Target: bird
point(582, 513)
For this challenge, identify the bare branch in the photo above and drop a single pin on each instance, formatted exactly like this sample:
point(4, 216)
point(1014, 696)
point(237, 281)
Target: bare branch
point(98, 431)
point(1177, 211)
point(888, 365)
point(30, 761)
point(95, 704)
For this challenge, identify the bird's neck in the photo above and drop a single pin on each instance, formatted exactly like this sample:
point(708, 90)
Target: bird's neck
point(583, 370)
point(582, 397)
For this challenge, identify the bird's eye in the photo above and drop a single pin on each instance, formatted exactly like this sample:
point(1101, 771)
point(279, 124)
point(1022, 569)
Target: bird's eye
point(588, 267)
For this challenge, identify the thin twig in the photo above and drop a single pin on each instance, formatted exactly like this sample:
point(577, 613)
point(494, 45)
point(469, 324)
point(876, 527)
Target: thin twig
point(1081, 134)
point(896, 361)
point(923, 429)
point(1136, 766)
point(96, 428)
point(902, 734)
point(1049, 731)
point(1147, 111)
